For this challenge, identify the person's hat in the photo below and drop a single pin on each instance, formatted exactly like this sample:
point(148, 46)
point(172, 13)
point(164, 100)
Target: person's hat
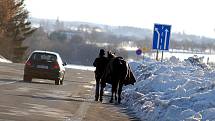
point(102, 52)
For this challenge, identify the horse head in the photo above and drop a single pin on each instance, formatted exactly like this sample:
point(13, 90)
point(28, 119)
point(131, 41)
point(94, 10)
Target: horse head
point(111, 55)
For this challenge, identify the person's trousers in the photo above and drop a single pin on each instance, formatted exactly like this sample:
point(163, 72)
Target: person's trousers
point(97, 88)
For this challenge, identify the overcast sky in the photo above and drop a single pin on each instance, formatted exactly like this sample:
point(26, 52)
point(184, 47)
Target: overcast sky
point(191, 16)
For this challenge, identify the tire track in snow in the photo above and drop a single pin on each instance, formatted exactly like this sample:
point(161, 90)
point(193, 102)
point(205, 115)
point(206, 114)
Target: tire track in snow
point(82, 110)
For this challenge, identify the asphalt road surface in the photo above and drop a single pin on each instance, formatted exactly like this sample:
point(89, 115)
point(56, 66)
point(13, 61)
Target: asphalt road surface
point(41, 100)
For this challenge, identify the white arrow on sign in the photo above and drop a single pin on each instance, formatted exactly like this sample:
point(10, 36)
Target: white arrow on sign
point(158, 42)
point(166, 32)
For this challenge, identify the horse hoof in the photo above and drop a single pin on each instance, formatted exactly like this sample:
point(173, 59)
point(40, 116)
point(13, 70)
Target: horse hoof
point(100, 100)
point(119, 101)
point(96, 99)
point(111, 101)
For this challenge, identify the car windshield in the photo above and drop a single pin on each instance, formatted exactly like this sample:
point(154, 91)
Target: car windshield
point(44, 57)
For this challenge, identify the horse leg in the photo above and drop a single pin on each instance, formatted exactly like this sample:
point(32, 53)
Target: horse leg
point(119, 91)
point(116, 91)
point(115, 96)
point(113, 90)
point(111, 100)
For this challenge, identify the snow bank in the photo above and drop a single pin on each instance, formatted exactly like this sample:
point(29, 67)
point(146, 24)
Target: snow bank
point(4, 60)
point(171, 91)
point(89, 68)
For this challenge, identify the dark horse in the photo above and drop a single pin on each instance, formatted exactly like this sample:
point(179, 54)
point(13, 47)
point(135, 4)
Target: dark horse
point(117, 74)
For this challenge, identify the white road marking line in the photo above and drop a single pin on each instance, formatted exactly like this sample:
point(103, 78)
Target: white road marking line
point(5, 83)
point(8, 83)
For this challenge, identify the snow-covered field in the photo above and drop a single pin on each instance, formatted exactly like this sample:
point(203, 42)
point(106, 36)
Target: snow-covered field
point(172, 91)
point(182, 56)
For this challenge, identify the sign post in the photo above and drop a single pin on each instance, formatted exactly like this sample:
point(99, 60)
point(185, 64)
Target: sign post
point(157, 55)
point(161, 37)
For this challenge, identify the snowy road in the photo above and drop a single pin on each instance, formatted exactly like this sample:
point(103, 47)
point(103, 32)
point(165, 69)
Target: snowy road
point(41, 100)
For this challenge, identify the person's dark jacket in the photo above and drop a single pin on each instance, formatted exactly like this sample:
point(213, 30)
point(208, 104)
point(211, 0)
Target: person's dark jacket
point(100, 63)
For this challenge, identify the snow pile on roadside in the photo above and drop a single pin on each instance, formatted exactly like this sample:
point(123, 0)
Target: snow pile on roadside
point(196, 61)
point(4, 60)
point(171, 91)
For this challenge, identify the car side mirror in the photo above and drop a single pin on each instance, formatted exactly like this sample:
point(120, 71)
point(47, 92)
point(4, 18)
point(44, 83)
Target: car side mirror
point(64, 64)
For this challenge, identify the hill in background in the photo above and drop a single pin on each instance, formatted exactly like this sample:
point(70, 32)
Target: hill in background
point(140, 33)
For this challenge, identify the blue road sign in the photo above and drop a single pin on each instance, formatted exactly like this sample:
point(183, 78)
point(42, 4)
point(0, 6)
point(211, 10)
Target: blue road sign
point(161, 36)
point(138, 51)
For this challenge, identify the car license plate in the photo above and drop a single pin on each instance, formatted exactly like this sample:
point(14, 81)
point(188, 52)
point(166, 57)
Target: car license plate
point(42, 66)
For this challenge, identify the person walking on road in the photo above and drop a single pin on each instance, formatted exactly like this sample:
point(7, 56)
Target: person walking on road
point(100, 63)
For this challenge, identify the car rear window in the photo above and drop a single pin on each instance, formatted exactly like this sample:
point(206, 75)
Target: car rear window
point(43, 57)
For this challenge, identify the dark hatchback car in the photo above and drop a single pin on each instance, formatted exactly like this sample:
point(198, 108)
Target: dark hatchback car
point(44, 65)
